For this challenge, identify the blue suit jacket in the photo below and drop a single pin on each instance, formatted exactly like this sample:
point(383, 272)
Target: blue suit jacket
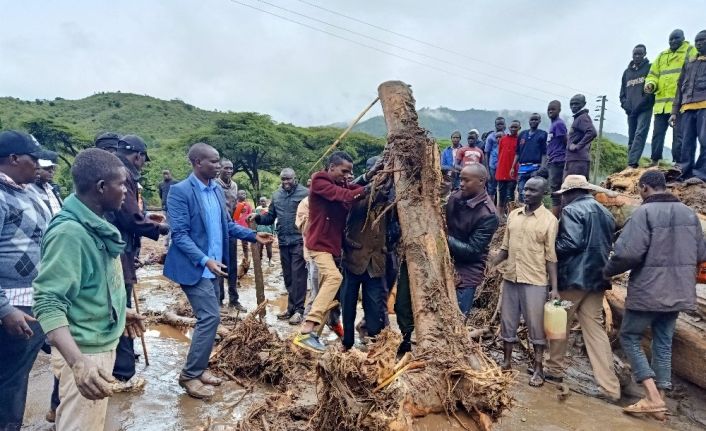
point(189, 236)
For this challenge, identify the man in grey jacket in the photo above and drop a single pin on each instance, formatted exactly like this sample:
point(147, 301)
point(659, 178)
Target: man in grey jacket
point(661, 245)
point(283, 208)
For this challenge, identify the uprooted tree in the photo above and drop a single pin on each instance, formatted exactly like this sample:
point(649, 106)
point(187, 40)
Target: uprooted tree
point(448, 370)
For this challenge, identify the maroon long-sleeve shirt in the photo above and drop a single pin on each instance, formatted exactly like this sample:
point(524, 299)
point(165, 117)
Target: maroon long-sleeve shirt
point(329, 204)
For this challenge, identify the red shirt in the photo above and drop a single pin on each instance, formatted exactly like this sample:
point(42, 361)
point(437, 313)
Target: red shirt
point(241, 212)
point(467, 155)
point(506, 155)
point(329, 204)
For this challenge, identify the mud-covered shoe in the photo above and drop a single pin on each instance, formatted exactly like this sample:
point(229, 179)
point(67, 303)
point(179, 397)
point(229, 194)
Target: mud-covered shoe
point(296, 319)
point(51, 416)
point(309, 342)
point(207, 378)
point(133, 385)
point(195, 388)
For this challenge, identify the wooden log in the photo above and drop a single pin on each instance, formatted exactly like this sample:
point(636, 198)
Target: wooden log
point(688, 345)
point(622, 207)
point(171, 318)
point(256, 251)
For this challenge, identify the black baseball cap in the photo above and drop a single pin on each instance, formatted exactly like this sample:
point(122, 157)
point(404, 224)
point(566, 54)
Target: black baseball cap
point(14, 142)
point(133, 143)
point(107, 140)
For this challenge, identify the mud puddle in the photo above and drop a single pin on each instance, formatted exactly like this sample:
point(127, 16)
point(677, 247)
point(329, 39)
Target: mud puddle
point(163, 405)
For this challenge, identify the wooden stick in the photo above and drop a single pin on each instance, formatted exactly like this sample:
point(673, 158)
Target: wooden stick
point(142, 337)
point(343, 135)
point(256, 249)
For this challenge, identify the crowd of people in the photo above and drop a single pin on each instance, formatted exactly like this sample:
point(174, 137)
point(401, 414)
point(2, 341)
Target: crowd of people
point(68, 266)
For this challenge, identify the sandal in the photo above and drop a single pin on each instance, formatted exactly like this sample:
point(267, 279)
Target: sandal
point(641, 407)
point(536, 382)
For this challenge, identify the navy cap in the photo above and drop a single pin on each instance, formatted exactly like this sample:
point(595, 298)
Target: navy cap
point(107, 140)
point(13, 142)
point(133, 143)
point(48, 158)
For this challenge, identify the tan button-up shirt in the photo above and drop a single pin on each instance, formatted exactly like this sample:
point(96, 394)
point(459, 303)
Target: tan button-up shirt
point(529, 241)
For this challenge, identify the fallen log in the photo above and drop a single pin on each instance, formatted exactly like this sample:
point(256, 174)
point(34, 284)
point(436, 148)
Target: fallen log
point(456, 373)
point(688, 345)
point(171, 318)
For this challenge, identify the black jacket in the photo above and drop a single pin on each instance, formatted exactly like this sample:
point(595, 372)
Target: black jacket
point(661, 245)
point(583, 245)
point(692, 84)
point(283, 208)
point(633, 98)
point(471, 225)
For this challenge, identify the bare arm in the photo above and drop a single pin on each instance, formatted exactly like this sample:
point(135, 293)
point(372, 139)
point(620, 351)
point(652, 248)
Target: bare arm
point(553, 279)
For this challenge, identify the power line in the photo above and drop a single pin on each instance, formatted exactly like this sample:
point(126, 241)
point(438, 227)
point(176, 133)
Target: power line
point(387, 52)
point(411, 51)
point(449, 51)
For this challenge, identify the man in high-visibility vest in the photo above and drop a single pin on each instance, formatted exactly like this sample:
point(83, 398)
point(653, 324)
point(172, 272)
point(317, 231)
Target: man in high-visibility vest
point(662, 82)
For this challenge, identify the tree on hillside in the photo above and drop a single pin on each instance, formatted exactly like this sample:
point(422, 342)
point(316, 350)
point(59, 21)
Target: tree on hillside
point(360, 146)
point(63, 139)
point(254, 143)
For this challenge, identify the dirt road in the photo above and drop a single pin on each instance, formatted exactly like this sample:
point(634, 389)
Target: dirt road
point(163, 405)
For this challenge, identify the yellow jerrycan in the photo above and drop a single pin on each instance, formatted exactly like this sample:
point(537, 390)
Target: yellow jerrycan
point(554, 320)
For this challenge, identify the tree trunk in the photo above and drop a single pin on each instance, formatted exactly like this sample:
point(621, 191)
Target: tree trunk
point(450, 369)
point(414, 158)
point(255, 250)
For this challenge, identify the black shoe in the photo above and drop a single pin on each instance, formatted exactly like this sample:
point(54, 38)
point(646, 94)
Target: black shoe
point(547, 376)
point(284, 316)
point(238, 306)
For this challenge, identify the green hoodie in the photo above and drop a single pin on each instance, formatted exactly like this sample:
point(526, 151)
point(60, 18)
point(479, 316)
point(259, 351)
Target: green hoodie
point(80, 282)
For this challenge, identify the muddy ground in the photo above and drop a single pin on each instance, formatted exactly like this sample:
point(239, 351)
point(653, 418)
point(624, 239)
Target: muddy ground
point(163, 405)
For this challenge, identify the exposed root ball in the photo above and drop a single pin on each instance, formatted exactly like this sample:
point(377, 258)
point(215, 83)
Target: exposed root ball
point(253, 351)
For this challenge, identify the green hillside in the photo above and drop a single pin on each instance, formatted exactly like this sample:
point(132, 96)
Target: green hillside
point(258, 146)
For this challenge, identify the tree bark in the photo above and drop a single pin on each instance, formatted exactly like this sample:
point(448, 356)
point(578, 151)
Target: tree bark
point(255, 250)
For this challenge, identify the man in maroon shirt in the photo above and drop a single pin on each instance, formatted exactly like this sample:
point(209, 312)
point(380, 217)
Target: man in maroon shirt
point(330, 199)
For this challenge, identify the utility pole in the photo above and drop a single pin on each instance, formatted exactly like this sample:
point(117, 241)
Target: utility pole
point(600, 117)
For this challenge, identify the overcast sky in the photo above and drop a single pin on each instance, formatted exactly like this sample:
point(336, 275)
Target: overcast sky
point(218, 54)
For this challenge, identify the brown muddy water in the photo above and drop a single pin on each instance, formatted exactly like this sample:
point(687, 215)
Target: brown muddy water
point(163, 405)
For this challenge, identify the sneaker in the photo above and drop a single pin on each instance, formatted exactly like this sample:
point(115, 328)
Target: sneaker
point(296, 318)
point(309, 342)
point(237, 306)
point(133, 385)
point(337, 328)
point(284, 316)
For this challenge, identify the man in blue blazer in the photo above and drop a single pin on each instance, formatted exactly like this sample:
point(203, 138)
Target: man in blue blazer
point(201, 230)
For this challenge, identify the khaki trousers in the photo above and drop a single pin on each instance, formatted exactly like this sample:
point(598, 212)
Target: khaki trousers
point(330, 280)
point(588, 309)
point(76, 413)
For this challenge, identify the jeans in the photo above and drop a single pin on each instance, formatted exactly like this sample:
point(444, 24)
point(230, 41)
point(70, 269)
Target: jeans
point(693, 127)
point(403, 305)
point(556, 176)
point(521, 180)
point(506, 192)
point(638, 126)
point(465, 297)
point(203, 298)
point(577, 167)
point(659, 130)
point(373, 304)
point(17, 356)
point(295, 275)
point(492, 185)
point(124, 367)
point(631, 333)
point(233, 297)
